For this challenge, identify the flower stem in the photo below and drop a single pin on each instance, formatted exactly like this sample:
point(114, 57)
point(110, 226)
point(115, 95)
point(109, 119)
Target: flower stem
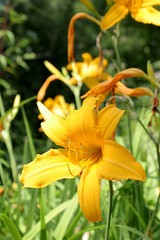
point(76, 91)
point(42, 216)
point(148, 231)
point(156, 143)
point(109, 210)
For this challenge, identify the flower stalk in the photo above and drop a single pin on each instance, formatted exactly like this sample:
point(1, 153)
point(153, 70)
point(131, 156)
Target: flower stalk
point(109, 210)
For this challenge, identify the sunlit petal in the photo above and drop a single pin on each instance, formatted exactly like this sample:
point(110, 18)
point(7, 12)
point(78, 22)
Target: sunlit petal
point(82, 124)
point(92, 81)
point(89, 194)
point(108, 119)
point(115, 14)
point(148, 15)
point(140, 91)
point(119, 164)
point(45, 112)
point(147, 3)
point(54, 128)
point(47, 168)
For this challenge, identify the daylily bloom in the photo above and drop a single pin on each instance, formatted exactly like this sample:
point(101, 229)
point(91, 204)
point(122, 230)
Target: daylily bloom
point(58, 106)
point(88, 151)
point(90, 71)
point(114, 84)
point(140, 10)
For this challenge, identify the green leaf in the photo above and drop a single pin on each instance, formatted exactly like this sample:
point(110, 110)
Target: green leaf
point(37, 227)
point(66, 219)
point(133, 230)
point(3, 61)
point(150, 70)
point(11, 226)
point(8, 36)
point(4, 83)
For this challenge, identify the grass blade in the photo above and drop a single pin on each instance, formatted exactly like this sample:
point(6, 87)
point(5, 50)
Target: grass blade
point(37, 227)
point(66, 218)
point(11, 226)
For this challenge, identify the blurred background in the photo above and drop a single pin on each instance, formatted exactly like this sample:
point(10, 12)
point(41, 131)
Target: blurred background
point(32, 31)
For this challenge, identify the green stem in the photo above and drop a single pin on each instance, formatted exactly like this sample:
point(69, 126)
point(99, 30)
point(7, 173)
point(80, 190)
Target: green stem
point(8, 143)
point(29, 134)
point(156, 143)
point(76, 92)
point(42, 216)
point(109, 210)
point(149, 134)
point(153, 216)
point(130, 134)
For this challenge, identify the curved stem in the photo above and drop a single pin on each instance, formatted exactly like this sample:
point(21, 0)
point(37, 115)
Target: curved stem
point(76, 92)
point(109, 210)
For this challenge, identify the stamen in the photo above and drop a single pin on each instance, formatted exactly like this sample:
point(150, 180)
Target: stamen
point(81, 151)
point(70, 171)
point(71, 152)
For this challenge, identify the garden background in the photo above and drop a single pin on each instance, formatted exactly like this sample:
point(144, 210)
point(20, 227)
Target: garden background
point(32, 31)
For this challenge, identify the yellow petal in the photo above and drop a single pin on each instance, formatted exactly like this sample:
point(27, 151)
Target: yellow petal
point(119, 164)
point(148, 15)
point(115, 14)
point(54, 128)
point(87, 57)
point(135, 92)
point(82, 124)
point(109, 117)
point(92, 81)
point(45, 112)
point(89, 194)
point(147, 3)
point(47, 168)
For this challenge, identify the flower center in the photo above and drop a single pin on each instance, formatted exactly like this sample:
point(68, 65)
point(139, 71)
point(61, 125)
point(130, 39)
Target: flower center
point(134, 5)
point(82, 155)
point(90, 159)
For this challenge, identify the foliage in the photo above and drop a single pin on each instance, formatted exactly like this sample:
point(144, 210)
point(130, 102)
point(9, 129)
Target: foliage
point(34, 31)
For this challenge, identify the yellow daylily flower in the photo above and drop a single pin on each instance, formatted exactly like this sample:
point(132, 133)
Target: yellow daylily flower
point(58, 106)
point(140, 10)
point(91, 71)
point(114, 84)
point(88, 152)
